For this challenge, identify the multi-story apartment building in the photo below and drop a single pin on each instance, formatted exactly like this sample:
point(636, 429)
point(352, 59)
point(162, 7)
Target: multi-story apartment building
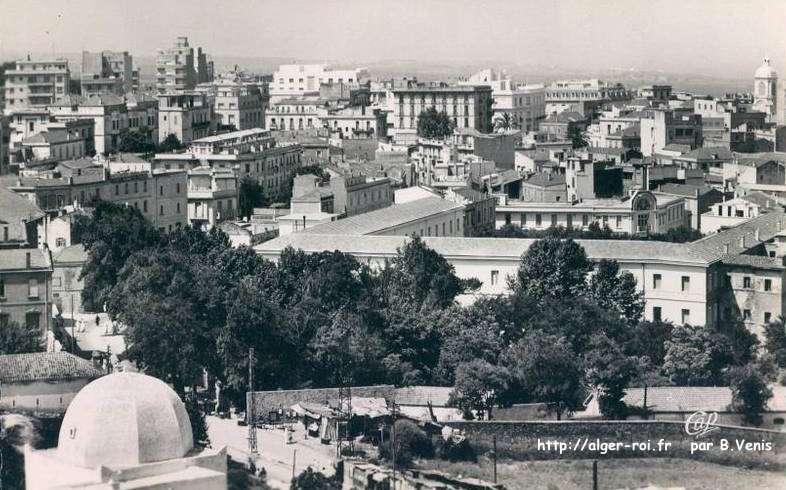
point(5, 141)
point(106, 72)
point(251, 152)
point(143, 116)
point(108, 111)
point(643, 213)
point(466, 106)
point(212, 196)
point(160, 195)
point(35, 84)
point(187, 115)
point(238, 105)
point(60, 141)
point(526, 104)
point(582, 96)
point(355, 123)
point(298, 80)
point(356, 194)
point(664, 127)
point(26, 288)
point(181, 68)
point(296, 114)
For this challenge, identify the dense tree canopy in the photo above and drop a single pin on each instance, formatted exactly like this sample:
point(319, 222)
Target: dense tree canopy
point(434, 124)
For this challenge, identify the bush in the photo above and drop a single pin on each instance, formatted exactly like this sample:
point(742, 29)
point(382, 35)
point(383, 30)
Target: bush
point(456, 451)
point(411, 442)
point(313, 480)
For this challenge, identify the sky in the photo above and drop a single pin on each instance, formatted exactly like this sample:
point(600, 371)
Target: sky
point(724, 38)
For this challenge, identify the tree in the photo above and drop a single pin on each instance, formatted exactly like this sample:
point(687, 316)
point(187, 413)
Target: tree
point(479, 385)
point(577, 136)
point(505, 121)
point(433, 124)
point(249, 196)
point(609, 370)
point(410, 442)
point(419, 276)
point(696, 356)
point(616, 290)
point(775, 341)
point(198, 422)
point(544, 368)
point(110, 237)
point(170, 143)
point(648, 339)
point(552, 267)
point(18, 339)
point(135, 142)
point(750, 393)
point(314, 480)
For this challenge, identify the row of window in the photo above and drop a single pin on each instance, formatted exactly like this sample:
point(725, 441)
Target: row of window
point(32, 288)
point(32, 320)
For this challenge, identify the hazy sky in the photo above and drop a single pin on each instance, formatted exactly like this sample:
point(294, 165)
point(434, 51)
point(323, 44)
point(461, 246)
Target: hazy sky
point(718, 37)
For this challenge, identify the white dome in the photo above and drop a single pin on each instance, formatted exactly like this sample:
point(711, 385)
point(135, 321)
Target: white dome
point(124, 419)
point(765, 70)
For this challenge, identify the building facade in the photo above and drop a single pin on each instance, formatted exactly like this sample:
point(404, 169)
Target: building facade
point(189, 116)
point(298, 80)
point(35, 84)
point(26, 288)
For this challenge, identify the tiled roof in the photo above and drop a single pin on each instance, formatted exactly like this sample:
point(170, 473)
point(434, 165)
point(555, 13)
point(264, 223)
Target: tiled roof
point(756, 261)
point(74, 253)
point(501, 248)
point(16, 259)
point(79, 163)
point(45, 366)
point(686, 190)
point(423, 395)
point(709, 153)
point(546, 180)
point(713, 247)
point(42, 137)
point(381, 219)
point(760, 199)
point(15, 208)
point(93, 100)
point(677, 147)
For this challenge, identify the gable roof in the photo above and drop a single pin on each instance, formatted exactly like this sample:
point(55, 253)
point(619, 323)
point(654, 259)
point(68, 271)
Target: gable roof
point(709, 153)
point(545, 179)
point(686, 190)
point(15, 208)
point(72, 254)
point(388, 217)
point(45, 366)
point(713, 247)
point(16, 259)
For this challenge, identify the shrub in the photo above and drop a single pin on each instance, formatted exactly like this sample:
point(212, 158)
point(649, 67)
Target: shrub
point(411, 442)
point(456, 451)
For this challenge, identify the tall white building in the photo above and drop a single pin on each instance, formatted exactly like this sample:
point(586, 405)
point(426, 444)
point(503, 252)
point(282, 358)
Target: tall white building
point(765, 87)
point(297, 80)
point(35, 84)
point(526, 104)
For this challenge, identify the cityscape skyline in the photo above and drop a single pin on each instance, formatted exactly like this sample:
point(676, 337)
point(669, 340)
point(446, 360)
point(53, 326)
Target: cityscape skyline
point(550, 37)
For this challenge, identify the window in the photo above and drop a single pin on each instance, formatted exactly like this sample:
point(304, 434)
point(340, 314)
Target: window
point(60, 242)
point(32, 288)
point(125, 191)
point(161, 210)
point(584, 220)
point(685, 283)
point(746, 282)
point(144, 206)
point(2, 288)
point(178, 208)
point(657, 314)
point(494, 278)
point(685, 316)
point(4, 319)
point(553, 220)
point(767, 317)
point(538, 220)
point(777, 421)
point(507, 218)
point(768, 284)
point(32, 320)
point(656, 279)
point(746, 315)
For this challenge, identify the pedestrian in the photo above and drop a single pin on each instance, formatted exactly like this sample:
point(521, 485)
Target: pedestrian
point(98, 320)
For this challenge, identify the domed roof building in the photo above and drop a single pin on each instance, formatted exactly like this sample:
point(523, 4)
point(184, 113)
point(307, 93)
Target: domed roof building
point(765, 86)
point(128, 429)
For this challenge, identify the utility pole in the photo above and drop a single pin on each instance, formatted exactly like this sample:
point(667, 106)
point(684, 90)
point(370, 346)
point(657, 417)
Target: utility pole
point(393, 440)
point(494, 454)
point(294, 459)
point(252, 429)
point(595, 474)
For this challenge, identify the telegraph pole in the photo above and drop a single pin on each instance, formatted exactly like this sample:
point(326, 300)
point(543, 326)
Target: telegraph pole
point(252, 429)
point(393, 440)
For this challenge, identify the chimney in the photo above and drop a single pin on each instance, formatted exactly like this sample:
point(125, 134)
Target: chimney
point(27, 260)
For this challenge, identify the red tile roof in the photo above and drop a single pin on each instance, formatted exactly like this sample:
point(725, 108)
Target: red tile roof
point(45, 366)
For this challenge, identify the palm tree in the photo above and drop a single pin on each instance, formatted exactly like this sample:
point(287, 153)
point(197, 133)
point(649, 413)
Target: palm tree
point(505, 121)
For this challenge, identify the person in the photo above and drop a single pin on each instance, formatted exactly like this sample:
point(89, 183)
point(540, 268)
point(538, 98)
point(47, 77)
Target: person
point(98, 320)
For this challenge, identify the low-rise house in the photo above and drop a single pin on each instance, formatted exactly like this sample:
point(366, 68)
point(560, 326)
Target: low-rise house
point(20, 219)
point(42, 383)
point(698, 199)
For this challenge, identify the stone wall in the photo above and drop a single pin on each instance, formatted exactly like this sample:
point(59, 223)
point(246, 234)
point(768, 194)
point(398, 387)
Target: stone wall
point(583, 439)
point(268, 401)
